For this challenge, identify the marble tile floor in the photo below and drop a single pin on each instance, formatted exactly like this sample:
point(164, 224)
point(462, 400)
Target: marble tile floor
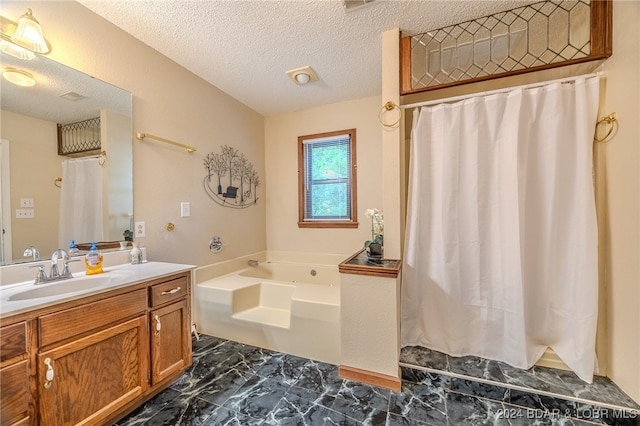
point(234, 384)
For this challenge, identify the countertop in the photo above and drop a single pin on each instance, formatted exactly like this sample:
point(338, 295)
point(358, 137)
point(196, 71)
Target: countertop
point(27, 296)
point(360, 264)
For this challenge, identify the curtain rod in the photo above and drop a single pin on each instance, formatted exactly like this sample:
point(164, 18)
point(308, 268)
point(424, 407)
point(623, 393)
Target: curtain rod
point(504, 90)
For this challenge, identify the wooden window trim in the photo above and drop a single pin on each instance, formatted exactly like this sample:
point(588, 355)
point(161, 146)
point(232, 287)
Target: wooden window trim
point(351, 223)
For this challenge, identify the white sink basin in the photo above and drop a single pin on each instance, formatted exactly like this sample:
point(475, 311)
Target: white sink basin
point(61, 287)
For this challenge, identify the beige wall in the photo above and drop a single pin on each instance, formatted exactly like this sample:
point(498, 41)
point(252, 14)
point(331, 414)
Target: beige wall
point(173, 103)
point(623, 200)
point(281, 158)
point(33, 143)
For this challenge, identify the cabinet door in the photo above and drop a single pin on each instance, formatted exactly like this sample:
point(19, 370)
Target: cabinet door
point(87, 379)
point(14, 397)
point(170, 340)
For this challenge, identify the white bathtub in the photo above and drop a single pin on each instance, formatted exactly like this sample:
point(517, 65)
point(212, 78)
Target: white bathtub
point(286, 307)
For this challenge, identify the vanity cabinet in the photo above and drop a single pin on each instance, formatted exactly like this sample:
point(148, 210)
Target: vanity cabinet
point(94, 359)
point(15, 396)
point(170, 329)
point(96, 362)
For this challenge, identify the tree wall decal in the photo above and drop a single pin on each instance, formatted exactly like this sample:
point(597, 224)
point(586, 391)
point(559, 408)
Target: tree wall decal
point(241, 192)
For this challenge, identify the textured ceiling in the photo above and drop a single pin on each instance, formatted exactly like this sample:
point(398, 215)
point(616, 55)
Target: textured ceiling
point(244, 47)
point(44, 100)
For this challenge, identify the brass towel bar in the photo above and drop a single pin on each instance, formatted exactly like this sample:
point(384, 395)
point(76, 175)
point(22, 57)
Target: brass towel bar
point(141, 136)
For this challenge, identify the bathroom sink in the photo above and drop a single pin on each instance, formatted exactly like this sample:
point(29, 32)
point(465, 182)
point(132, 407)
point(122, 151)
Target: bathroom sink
point(56, 288)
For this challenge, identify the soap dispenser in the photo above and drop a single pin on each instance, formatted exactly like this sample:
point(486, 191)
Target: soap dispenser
point(73, 249)
point(93, 260)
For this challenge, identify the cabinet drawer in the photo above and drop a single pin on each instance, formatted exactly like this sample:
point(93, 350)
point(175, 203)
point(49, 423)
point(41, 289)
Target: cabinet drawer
point(169, 291)
point(13, 341)
point(76, 321)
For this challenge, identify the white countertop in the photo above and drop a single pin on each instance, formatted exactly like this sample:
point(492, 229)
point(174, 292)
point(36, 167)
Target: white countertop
point(26, 296)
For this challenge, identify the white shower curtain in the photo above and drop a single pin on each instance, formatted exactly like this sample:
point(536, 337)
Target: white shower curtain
point(81, 214)
point(501, 239)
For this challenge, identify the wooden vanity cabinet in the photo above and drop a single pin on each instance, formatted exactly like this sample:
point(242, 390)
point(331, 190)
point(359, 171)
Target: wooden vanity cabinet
point(93, 360)
point(15, 396)
point(96, 362)
point(170, 328)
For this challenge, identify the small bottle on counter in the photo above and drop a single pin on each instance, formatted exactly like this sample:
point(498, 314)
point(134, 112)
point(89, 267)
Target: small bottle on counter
point(136, 253)
point(73, 249)
point(93, 260)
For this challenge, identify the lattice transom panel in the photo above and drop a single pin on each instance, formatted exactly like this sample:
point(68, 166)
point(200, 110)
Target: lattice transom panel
point(79, 138)
point(533, 36)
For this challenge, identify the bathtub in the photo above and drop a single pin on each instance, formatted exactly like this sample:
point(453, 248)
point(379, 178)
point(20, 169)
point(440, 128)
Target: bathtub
point(283, 306)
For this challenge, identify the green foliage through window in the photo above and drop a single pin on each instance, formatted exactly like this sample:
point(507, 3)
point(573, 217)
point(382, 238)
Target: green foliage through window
point(327, 166)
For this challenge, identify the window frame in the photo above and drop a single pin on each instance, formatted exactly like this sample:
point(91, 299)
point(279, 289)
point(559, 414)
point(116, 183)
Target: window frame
point(352, 222)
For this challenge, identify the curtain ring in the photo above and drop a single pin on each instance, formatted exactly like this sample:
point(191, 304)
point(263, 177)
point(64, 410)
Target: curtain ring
point(390, 106)
point(612, 121)
point(58, 182)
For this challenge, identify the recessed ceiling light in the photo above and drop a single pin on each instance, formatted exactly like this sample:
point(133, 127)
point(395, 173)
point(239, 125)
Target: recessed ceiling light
point(18, 77)
point(302, 75)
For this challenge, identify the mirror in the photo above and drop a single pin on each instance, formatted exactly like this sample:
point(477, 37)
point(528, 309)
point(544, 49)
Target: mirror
point(30, 165)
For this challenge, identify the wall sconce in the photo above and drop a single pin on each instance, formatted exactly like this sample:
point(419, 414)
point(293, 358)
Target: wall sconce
point(303, 75)
point(18, 77)
point(23, 39)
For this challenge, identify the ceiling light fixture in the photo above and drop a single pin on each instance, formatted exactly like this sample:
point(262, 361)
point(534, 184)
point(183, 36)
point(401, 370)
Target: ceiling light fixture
point(29, 34)
point(18, 77)
point(24, 38)
point(303, 75)
point(16, 51)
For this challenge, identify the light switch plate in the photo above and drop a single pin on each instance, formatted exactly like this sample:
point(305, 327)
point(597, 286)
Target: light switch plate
point(185, 209)
point(24, 214)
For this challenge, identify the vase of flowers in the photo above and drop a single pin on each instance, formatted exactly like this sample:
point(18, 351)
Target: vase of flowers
point(375, 244)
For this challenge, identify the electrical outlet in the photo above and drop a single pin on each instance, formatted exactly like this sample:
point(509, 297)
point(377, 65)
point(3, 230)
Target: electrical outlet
point(185, 209)
point(139, 229)
point(26, 202)
point(24, 214)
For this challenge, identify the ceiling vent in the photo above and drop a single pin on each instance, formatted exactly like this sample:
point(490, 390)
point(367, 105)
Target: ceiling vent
point(354, 4)
point(72, 96)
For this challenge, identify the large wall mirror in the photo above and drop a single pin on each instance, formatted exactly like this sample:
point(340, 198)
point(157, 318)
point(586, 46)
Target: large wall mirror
point(32, 170)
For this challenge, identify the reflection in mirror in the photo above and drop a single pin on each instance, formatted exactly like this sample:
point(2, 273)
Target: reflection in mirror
point(30, 165)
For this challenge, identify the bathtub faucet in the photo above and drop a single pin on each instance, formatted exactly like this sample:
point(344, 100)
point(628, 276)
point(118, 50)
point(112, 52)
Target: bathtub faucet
point(253, 262)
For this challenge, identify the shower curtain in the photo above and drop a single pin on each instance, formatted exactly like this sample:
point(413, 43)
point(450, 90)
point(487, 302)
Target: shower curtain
point(81, 214)
point(501, 239)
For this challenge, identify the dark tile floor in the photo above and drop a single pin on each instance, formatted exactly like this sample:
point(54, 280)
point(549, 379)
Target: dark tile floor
point(235, 384)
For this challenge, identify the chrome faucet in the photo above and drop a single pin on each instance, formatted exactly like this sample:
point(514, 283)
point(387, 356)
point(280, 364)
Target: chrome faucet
point(55, 273)
point(253, 262)
point(32, 251)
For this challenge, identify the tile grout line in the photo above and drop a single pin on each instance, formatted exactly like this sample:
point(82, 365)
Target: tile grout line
point(521, 388)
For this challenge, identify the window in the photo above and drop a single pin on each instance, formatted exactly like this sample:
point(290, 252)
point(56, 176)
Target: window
point(327, 180)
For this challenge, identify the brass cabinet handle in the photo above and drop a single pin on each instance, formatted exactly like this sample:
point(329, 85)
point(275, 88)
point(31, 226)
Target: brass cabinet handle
point(172, 291)
point(49, 374)
point(158, 324)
